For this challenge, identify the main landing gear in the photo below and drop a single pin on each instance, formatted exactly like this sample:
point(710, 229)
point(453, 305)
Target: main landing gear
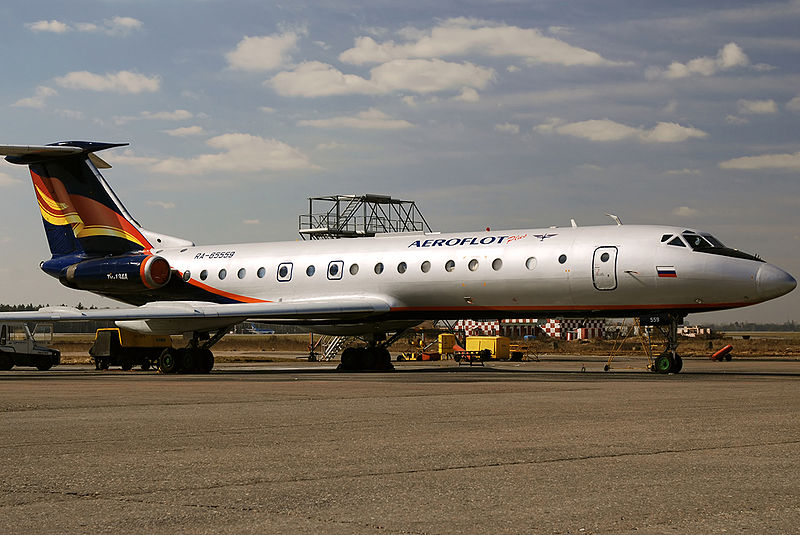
point(375, 357)
point(669, 361)
point(196, 357)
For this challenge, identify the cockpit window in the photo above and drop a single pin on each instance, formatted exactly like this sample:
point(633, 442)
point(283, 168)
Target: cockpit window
point(706, 243)
point(715, 242)
point(677, 241)
point(696, 241)
point(665, 237)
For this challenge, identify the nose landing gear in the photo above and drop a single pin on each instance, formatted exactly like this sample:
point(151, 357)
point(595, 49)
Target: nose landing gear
point(669, 361)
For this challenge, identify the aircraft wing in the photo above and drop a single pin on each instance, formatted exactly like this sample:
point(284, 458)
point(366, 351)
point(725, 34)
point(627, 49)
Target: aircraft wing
point(309, 309)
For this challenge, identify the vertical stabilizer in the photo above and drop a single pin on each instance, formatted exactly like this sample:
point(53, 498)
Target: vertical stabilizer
point(80, 212)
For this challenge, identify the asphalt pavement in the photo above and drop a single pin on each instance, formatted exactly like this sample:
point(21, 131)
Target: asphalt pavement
point(535, 447)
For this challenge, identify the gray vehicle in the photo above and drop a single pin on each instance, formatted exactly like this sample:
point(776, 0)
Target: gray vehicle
point(18, 348)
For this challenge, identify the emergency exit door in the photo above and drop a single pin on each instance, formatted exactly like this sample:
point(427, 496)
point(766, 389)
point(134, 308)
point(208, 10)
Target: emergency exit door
point(604, 268)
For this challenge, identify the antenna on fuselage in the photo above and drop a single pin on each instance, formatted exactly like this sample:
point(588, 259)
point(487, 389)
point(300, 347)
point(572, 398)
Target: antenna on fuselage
point(574, 224)
point(615, 218)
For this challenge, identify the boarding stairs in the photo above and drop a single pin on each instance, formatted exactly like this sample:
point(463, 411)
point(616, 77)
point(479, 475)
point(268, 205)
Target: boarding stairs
point(333, 346)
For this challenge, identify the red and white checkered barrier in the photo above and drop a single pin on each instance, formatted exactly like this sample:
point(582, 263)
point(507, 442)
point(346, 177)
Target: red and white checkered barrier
point(568, 329)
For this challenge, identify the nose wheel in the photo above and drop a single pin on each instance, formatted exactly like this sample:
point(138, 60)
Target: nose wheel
point(669, 361)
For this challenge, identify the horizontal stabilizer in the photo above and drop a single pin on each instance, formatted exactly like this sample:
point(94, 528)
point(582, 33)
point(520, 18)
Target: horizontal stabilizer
point(27, 154)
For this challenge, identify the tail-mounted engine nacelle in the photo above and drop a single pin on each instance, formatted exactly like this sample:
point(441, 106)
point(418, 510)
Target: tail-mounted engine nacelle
point(118, 274)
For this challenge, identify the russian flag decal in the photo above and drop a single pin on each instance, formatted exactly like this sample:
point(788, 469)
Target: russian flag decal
point(667, 272)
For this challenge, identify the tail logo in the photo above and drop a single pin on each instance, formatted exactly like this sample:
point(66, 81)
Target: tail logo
point(87, 217)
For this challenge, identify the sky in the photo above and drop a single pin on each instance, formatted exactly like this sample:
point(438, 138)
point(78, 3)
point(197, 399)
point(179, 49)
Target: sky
point(501, 114)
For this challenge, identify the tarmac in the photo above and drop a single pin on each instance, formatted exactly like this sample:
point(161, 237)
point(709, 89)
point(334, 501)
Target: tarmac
point(558, 446)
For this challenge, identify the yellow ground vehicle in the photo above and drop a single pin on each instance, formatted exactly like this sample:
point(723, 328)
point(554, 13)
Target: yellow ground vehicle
point(118, 347)
point(447, 342)
point(500, 346)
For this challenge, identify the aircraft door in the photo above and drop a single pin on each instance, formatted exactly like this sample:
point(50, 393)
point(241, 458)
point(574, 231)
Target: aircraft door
point(604, 268)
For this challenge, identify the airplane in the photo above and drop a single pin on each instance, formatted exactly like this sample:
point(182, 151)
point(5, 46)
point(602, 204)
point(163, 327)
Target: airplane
point(369, 286)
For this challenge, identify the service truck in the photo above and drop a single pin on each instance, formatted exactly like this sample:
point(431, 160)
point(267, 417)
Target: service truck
point(118, 347)
point(19, 348)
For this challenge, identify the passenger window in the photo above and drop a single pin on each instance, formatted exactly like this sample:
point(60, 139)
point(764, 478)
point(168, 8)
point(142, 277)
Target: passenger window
point(562, 259)
point(401, 267)
point(353, 269)
point(425, 267)
point(335, 269)
point(530, 263)
point(473, 265)
point(241, 274)
point(450, 266)
point(378, 268)
point(222, 274)
point(187, 275)
point(677, 241)
point(310, 270)
point(285, 272)
point(203, 275)
point(497, 264)
point(261, 272)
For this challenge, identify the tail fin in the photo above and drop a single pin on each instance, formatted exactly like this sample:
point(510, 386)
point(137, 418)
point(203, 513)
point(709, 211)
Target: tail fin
point(81, 213)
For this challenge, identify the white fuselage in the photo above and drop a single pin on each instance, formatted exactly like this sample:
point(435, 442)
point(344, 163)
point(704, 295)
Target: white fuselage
point(605, 270)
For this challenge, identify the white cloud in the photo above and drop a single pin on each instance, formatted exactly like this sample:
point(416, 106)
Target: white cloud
point(513, 68)
point(468, 94)
point(122, 25)
point(251, 222)
point(185, 131)
point(331, 146)
point(607, 130)
point(8, 180)
point(261, 54)
point(240, 153)
point(316, 79)
point(508, 128)
point(728, 57)
point(789, 162)
point(175, 115)
point(115, 26)
point(38, 99)
point(757, 107)
point(267, 109)
point(794, 104)
point(461, 36)
point(52, 26)
point(161, 204)
point(684, 171)
point(684, 211)
point(371, 119)
point(733, 119)
point(125, 82)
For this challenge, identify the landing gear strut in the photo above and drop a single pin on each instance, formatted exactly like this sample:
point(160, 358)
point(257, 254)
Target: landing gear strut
point(669, 361)
point(196, 357)
point(374, 357)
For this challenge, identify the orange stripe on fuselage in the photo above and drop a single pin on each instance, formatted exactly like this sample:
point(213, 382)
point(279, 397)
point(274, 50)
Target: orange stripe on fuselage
point(223, 293)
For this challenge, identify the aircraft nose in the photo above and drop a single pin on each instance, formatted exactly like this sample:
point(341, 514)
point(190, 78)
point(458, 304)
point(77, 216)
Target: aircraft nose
point(772, 282)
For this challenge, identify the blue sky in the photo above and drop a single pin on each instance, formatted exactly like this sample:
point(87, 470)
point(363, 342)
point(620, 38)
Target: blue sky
point(500, 114)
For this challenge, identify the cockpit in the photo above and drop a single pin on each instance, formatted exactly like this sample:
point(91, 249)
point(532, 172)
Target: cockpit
point(704, 243)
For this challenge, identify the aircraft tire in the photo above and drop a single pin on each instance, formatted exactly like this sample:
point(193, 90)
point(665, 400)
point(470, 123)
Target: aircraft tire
point(188, 359)
point(6, 362)
point(168, 361)
point(677, 366)
point(348, 359)
point(664, 363)
point(204, 361)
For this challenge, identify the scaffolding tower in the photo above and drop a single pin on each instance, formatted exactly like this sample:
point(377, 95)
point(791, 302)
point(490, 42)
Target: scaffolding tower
point(355, 216)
